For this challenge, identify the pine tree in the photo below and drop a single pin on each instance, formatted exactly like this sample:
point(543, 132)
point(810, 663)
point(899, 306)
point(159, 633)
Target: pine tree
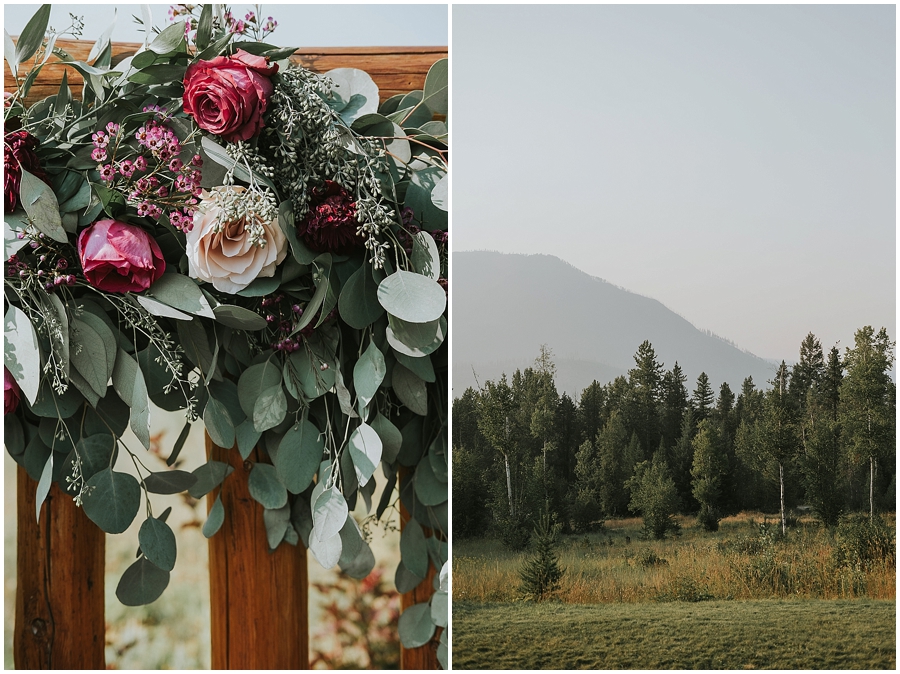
point(709, 470)
point(703, 397)
point(541, 574)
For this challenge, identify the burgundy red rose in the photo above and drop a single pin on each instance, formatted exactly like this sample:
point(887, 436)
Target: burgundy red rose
point(118, 257)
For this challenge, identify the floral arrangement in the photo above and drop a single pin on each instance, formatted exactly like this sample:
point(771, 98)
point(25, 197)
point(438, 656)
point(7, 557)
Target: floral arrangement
point(216, 230)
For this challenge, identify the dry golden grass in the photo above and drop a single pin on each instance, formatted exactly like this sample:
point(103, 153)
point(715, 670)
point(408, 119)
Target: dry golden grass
point(733, 563)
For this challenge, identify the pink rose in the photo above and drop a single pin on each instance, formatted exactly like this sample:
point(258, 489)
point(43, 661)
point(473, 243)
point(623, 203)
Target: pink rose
point(118, 257)
point(11, 393)
point(228, 95)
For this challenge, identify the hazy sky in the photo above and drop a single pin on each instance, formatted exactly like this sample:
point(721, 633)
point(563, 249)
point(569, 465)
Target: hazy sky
point(736, 163)
point(328, 25)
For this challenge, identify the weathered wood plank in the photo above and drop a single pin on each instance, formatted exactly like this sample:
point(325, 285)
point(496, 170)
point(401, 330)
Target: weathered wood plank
point(60, 564)
point(394, 69)
point(258, 600)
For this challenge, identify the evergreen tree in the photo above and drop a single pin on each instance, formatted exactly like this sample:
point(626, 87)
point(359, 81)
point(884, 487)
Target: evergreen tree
point(674, 404)
point(868, 401)
point(591, 411)
point(808, 371)
point(779, 431)
point(710, 467)
point(612, 443)
point(702, 400)
point(653, 494)
point(586, 493)
point(682, 461)
point(646, 382)
point(541, 574)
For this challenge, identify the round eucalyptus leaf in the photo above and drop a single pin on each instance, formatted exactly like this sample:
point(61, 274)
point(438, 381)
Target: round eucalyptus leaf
point(358, 303)
point(413, 549)
point(142, 583)
point(412, 297)
point(405, 580)
point(169, 481)
point(265, 487)
point(209, 476)
point(416, 339)
point(416, 626)
point(270, 408)
point(158, 543)
point(298, 457)
point(429, 489)
point(440, 608)
point(327, 552)
point(254, 381)
point(96, 453)
point(410, 389)
point(362, 564)
point(113, 500)
point(329, 513)
point(391, 438)
point(218, 424)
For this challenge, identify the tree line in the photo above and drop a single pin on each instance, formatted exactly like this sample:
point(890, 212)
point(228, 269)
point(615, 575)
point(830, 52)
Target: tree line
point(820, 434)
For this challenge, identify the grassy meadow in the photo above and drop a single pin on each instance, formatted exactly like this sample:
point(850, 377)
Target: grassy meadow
point(756, 634)
point(742, 597)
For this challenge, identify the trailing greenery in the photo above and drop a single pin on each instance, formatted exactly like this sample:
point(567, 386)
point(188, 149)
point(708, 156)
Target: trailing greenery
point(819, 436)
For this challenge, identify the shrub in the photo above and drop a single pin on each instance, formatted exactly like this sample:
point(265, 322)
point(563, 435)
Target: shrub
point(648, 558)
point(654, 495)
point(860, 541)
point(541, 574)
point(514, 532)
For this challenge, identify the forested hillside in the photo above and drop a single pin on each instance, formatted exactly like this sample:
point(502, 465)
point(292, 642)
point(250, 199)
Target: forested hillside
point(820, 434)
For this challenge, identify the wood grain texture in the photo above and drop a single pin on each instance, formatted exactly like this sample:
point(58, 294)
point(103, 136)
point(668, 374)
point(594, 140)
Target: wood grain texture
point(258, 599)
point(60, 561)
point(394, 69)
point(423, 657)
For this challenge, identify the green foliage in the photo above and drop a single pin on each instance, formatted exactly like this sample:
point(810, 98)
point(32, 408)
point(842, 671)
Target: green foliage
point(541, 574)
point(654, 495)
point(709, 470)
point(862, 542)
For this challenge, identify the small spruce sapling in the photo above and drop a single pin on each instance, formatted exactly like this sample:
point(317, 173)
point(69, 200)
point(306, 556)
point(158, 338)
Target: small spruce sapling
point(541, 574)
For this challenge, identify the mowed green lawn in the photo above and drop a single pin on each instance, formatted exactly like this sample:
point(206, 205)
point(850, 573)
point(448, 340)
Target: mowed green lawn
point(764, 634)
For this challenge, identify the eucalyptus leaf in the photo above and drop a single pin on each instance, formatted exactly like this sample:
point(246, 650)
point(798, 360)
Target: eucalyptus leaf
point(169, 482)
point(358, 303)
point(416, 339)
point(368, 373)
point(270, 408)
point(112, 501)
point(412, 297)
point(413, 549)
point(179, 444)
point(215, 519)
point(142, 583)
point(416, 626)
point(425, 258)
point(218, 424)
point(169, 39)
point(277, 521)
point(329, 514)
point(239, 318)
point(160, 309)
point(327, 552)
point(21, 353)
point(436, 87)
point(265, 488)
point(391, 438)
point(32, 35)
point(410, 389)
point(421, 366)
point(90, 359)
point(43, 487)
point(299, 455)
point(247, 436)
point(365, 450)
point(182, 293)
point(209, 476)
point(42, 207)
point(158, 543)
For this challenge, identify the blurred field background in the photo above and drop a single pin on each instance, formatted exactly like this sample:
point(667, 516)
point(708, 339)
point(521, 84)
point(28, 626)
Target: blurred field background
point(352, 623)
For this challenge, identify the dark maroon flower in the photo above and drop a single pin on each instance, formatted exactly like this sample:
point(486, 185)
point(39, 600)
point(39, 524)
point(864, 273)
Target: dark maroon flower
point(18, 154)
point(330, 224)
point(11, 393)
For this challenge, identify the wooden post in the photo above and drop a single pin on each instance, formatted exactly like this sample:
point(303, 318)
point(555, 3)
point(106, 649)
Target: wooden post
point(423, 657)
point(258, 599)
point(60, 561)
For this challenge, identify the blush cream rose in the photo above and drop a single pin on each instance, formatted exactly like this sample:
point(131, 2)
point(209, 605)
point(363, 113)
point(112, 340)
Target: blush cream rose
point(230, 249)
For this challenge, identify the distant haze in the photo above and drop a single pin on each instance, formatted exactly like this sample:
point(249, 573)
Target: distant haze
point(506, 306)
point(736, 163)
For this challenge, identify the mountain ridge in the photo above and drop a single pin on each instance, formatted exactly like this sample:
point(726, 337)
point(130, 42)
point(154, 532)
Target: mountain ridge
point(506, 305)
